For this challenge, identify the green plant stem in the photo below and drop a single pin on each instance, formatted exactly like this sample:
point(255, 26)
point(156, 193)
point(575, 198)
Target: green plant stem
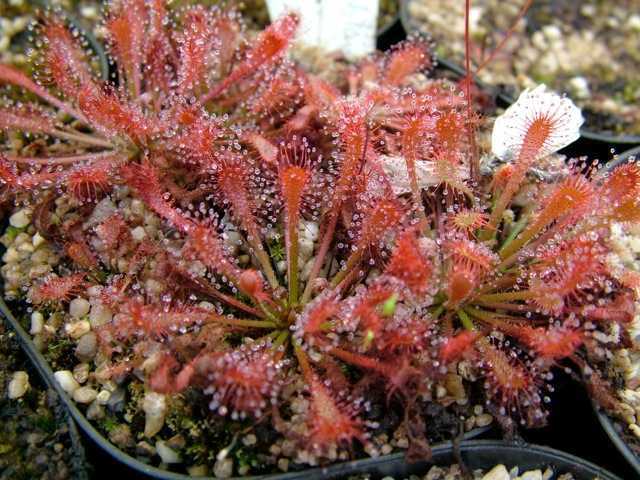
point(320, 257)
point(467, 323)
point(352, 262)
point(507, 296)
point(292, 261)
point(239, 322)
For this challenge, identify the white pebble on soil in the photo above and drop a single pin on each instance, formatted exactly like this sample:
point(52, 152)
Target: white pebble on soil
point(499, 472)
point(223, 468)
point(166, 454)
point(66, 380)
point(99, 315)
point(103, 397)
point(155, 410)
point(84, 395)
point(21, 218)
point(79, 307)
point(77, 329)
point(18, 385)
point(531, 475)
point(37, 322)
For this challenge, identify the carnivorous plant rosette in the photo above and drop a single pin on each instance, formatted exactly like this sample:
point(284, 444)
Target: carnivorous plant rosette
point(246, 227)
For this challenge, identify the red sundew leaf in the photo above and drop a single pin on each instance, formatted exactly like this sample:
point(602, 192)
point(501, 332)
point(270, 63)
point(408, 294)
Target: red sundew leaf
point(146, 320)
point(565, 270)
point(472, 255)
point(109, 115)
point(409, 264)
point(126, 29)
point(320, 94)
point(16, 77)
point(81, 255)
point(330, 423)
point(573, 196)
point(293, 182)
point(26, 119)
point(57, 289)
point(195, 45)
point(268, 47)
point(198, 140)
point(89, 182)
point(65, 59)
point(553, 343)
point(206, 245)
point(383, 215)
point(623, 182)
point(113, 232)
point(314, 319)
point(353, 130)
point(449, 129)
point(279, 95)
point(232, 175)
point(406, 59)
point(243, 382)
point(266, 149)
point(25, 181)
point(144, 180)
point(510, 385)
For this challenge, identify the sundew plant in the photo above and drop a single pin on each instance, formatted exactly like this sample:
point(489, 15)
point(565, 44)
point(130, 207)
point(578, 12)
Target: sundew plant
point(298, 250)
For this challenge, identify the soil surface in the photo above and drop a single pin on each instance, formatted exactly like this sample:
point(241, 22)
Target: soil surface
point(34, 437)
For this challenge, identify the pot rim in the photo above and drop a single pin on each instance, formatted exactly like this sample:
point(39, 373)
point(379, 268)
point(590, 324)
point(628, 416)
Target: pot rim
point(507, 100)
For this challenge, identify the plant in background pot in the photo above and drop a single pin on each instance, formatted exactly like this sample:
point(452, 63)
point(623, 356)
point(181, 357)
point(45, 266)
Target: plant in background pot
point(587, 49)
point(237, 266)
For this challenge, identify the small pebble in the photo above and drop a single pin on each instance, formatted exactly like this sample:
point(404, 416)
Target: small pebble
point(66, 380)
point(103, 397)
point(77, 329)
point(18, 385)
point(531, 475)
point(79, 307)
point(87, 347)
point(223, 468)
point(166, 454)
point(198, 471)
point(81, 372)
point(37, 322)
point(84, 395)
point(99, 315)
point(499, 472)
point(21, 218)
point(483, 420)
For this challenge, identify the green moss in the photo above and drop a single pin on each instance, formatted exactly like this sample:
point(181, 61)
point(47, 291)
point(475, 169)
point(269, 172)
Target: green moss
point(277, 250)
point(59, 350)
point(46, 423)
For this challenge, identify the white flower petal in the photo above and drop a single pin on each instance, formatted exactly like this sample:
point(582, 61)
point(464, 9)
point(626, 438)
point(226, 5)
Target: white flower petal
point(511, 127)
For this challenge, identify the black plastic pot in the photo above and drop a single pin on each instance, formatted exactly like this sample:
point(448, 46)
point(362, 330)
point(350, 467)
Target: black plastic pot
point(613, 429)
point(138, 468)
point(479, 454)
point(603, 141)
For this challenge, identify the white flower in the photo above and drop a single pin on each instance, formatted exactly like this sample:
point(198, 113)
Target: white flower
point(555, 118)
